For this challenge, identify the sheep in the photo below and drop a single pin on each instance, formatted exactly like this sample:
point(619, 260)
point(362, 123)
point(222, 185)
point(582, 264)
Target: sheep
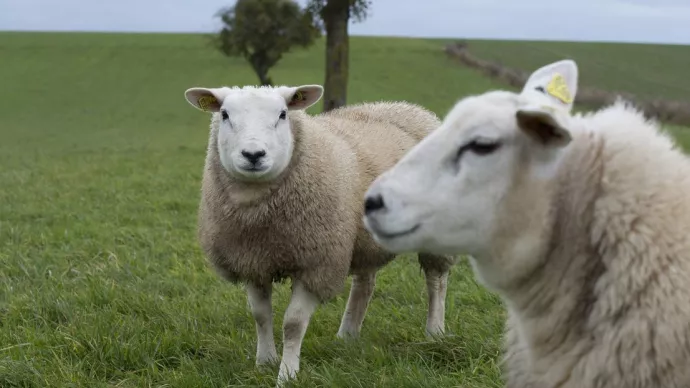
point(579, 222)
point(282, 196)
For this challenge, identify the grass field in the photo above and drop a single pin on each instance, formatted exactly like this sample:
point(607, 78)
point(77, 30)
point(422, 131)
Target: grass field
point(102, 283)
point(646, 70)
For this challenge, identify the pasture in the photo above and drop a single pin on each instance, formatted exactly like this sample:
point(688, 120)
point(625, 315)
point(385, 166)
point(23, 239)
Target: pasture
point(102, 283)
point(646, 70)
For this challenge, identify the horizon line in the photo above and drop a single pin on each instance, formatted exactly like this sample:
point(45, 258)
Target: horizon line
point(476, 37)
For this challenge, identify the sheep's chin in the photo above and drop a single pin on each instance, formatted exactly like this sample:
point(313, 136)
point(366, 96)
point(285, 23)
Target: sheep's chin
point(253, 175)
point(398, 239)
point(267, 174)
point(401, 244)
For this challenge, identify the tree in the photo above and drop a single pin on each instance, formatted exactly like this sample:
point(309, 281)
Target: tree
point(262, 31)
point(335, 16)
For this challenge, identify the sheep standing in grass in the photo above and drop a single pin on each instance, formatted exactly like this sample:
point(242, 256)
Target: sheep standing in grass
point(580, 222)
point(282, 197)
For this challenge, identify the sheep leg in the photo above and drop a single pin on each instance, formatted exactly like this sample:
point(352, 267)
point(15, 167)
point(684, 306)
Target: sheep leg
point(259, 298)
point(436, 270)
point(302, 305)
point(357, 304)
point(436, 285)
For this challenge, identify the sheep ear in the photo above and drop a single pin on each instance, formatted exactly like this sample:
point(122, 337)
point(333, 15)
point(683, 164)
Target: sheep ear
point(302, 97)
point(204, 99)
point(544, 125)
point(557, 81)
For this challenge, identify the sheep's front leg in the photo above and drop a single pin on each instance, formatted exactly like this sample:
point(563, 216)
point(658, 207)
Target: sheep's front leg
point(302, 305)
point(357, 304)
point(436, 270)
point(436, 285)
point(259, 298)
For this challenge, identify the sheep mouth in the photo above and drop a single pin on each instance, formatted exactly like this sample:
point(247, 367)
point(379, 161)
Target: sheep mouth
point(254, 168)
point(394, 235)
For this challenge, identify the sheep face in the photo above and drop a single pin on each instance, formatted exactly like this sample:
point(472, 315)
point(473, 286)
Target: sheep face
point(254, 133)
point(459, 190)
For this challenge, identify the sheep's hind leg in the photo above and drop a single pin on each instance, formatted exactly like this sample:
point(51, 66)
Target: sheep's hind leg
point(302, 305)
point(436, 270)
point(357, 304)
point(259, 298)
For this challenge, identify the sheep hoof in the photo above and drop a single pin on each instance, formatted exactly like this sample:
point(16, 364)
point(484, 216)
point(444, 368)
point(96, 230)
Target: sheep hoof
point(435, 333)
point(270, 360)
point(347, 335)
point(285, 375)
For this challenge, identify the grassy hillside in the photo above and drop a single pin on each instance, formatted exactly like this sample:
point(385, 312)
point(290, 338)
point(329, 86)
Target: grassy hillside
point(101, 280)
point(646, 70)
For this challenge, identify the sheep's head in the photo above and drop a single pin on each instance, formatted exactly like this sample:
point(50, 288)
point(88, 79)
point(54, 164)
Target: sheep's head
point(255, 139)
point(455, 190)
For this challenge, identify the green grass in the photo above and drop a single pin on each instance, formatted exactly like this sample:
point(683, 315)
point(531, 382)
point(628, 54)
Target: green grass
point(102, 283)
point(646, 70)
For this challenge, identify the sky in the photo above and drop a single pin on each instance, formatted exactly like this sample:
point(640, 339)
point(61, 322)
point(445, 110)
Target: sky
point(653, 21)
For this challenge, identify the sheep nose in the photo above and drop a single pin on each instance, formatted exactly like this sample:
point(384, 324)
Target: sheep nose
point(253, 156)
point(373, 203)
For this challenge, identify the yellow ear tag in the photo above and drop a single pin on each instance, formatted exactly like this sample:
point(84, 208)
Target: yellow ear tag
point(205, 102)
point(299, 96)
point(558, 88)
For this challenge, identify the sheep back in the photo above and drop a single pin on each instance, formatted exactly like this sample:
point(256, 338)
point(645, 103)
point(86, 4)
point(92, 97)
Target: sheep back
point(380, 133)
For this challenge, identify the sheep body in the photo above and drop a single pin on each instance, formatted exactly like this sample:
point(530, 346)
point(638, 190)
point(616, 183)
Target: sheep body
point(579, 222)
point(282, 198)
point(307, 223)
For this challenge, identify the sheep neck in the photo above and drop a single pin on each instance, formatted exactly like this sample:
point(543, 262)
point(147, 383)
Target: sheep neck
point(550, 303)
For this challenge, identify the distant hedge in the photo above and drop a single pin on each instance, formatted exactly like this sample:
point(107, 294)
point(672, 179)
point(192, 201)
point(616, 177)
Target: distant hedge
point(668, 111)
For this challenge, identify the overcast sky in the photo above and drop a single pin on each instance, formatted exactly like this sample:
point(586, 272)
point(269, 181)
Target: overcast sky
point(609, 20)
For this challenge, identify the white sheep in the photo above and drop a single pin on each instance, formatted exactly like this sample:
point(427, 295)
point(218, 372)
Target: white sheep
point(282, 197)
point(579, 222)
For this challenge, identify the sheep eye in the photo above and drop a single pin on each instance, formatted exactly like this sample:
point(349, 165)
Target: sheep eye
point(483, 148)
point(479, 147)
point(224, 115)
point(283, 115)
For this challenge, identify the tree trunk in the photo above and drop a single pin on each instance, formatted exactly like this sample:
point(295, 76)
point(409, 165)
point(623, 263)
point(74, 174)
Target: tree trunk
point(265, 80)
point(260, 64)
point(336, 15)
